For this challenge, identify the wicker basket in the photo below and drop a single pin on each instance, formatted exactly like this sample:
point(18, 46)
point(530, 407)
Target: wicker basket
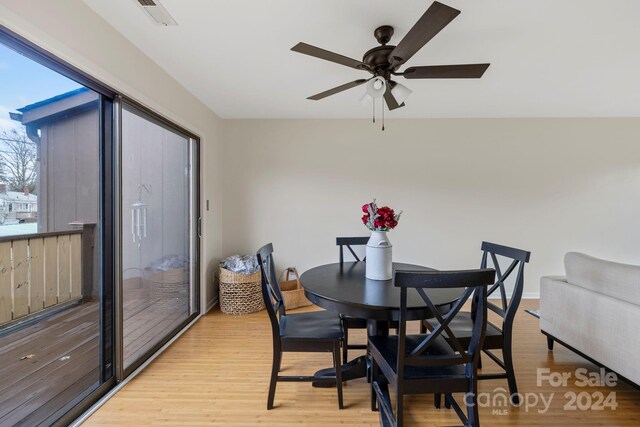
point(292, 291)
point(240, 293)
point(170, 288)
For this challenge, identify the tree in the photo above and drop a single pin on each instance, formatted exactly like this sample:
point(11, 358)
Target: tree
point(18, 160)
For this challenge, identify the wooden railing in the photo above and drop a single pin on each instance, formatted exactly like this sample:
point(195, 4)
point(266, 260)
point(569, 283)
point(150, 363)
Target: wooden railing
point(41, 270)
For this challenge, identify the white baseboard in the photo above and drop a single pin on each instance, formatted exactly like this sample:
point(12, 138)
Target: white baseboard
point(211, 304)
point(525, 295)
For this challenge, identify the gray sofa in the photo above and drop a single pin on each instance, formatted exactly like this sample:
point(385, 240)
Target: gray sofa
point(595, 311)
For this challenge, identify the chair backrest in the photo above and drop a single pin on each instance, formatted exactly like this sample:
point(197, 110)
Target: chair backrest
point(516, 258)
point(469, 282)
point(271, 294)
point(348, 242)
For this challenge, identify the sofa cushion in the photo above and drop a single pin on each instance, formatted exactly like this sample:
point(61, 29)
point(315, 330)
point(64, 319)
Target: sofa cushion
point(621, 281)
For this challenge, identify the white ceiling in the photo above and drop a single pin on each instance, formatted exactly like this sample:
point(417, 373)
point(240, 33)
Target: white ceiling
point(549, 58)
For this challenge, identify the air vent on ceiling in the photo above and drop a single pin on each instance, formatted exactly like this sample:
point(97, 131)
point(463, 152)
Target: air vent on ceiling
point(157, 12)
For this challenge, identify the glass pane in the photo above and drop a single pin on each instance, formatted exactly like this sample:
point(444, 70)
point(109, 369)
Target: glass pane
point(157, 262)
point(50, 331)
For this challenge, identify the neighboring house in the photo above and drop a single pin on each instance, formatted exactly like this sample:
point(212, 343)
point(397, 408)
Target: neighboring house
point(17, 206)
point(64, 128)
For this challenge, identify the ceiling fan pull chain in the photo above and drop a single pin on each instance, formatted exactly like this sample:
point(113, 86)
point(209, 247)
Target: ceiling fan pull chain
point(382, 103)
point(374, 110)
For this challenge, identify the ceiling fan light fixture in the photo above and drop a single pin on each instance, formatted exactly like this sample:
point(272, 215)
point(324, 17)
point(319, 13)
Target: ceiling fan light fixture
point(400, 92)
point(376, 87)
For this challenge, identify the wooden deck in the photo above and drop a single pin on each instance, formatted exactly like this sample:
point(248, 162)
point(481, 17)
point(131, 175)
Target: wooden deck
point(45, 366)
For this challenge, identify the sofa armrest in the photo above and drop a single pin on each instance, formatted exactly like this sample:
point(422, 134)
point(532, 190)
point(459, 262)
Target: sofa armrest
point(551, 279)
point(548, 297)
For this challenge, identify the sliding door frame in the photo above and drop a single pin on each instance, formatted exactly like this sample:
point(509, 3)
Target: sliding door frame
point(111, 101)
point(195, 218)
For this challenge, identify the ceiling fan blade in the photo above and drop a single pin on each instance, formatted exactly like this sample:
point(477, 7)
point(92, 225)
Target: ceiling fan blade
point(317, 52)
point(464, 71)
point(391, 100)
point(431, 23)
point(337, 89)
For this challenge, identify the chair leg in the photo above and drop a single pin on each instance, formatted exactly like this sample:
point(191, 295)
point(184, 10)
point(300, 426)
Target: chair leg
point(549, 343)
point(511, 375)
point(399, 406)
point(423, 328)
point(479, 360)
point(473, 418)
point(374, 375)
point(345, 343)
point(447, 400)
point(275, 368)
point(338, 366)
point(437, 400)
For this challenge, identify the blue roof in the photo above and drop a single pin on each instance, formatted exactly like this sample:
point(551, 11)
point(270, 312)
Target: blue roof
point(53, 99)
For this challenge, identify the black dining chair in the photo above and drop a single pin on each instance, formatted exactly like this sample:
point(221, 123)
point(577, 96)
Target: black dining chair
point(497, 337)
point(316, 331)
point(429, 363)
point(351, 322)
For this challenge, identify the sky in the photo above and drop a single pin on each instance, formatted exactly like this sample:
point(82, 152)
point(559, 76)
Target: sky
point(24, 81)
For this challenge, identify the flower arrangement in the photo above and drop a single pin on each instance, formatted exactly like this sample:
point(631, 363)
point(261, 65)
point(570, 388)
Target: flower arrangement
point(379, 219)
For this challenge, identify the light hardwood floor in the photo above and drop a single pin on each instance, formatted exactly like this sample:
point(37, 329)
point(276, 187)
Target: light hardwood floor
point(217, 374)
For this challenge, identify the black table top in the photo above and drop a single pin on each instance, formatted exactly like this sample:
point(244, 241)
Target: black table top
point(347, 291)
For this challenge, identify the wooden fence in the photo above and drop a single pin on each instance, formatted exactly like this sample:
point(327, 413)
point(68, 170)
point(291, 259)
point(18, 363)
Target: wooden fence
point(38, 271)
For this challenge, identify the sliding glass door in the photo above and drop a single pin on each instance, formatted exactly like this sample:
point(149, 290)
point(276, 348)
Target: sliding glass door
point(99, 236)
point(55, 290)
point(158, 233)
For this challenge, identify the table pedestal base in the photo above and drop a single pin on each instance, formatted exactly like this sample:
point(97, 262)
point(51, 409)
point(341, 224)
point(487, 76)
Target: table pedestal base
point(356, 368)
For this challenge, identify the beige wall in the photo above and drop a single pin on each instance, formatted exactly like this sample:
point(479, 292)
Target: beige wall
point(546, 185)
point(72, 31)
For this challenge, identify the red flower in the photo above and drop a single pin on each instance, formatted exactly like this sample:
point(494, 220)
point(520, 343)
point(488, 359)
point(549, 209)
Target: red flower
point(383, 218)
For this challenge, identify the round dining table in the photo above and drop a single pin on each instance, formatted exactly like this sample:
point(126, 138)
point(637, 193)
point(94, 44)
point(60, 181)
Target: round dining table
point(344, 289)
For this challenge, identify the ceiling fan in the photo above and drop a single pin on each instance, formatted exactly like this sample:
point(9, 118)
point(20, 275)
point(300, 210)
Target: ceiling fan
point(384, 61)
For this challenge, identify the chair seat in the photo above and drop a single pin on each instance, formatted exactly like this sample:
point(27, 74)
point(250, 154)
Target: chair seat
point(313, 325)
point(462, 327)
point(387, 348)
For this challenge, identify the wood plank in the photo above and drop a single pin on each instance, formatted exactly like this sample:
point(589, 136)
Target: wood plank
point(63, 373)
point(20, 263)
point(64, 269)
point(6, 304)
point(36, 274)
point(75, 241)
point(46, 360)
point(146, 327)
point(50, 271)
point(56, 332)
point(33, 388)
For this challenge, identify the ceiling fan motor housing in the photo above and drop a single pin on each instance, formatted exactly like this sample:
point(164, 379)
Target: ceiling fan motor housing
point(377, 59)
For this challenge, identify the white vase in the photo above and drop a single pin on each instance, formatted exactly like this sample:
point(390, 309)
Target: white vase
point(378, 265)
